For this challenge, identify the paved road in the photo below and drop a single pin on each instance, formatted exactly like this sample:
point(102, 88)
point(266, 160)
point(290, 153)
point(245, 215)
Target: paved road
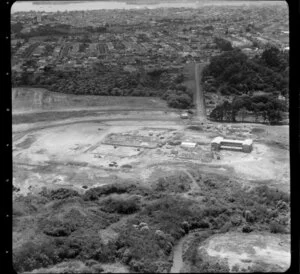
point(199, 98)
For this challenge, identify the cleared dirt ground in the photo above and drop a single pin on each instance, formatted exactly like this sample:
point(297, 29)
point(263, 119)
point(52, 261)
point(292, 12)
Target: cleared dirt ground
point(74, 151)
point(83, 145)
point(252, 252)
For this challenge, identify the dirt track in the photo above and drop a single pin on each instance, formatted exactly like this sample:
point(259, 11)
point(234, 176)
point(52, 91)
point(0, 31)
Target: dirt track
point(200, 103)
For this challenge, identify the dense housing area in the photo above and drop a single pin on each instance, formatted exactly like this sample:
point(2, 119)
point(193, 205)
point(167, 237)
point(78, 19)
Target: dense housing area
point(143, 52)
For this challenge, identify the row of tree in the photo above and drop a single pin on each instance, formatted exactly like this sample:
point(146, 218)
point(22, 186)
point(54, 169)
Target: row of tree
point(266, 106)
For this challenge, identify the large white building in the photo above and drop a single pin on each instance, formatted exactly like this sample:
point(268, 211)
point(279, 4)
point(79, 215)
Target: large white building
point(239, 145)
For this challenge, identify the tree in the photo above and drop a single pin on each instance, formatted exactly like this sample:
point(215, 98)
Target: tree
point(223, 44)
point(181, 87)
point(229, 112)
point(242, 112)
point(274, 116)
point(168, 93)
point(225, 112)
point(30, 63)
point(179, 78)
point(243, 101)
point(219, 64)
point(24, 80)
point(16, 28)
point(271, 56)
point(179, 101)
point(257, 109)
point(217, 113)
point(48, 68)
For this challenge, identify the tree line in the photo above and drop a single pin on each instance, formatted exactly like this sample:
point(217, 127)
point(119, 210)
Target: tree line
point(254, 83)
point(266, 106)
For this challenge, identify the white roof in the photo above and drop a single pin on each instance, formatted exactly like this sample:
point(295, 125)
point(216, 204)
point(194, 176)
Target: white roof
point(233, 141)
point(188, 144)
point(217, 139)
point(248, 142)
point(221, 139)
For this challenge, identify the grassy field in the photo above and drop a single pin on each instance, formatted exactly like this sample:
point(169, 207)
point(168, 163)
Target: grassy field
point(50, 116)
point(37, 99)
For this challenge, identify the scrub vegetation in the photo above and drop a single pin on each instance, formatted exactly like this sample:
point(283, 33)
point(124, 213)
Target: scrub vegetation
point(66, 223)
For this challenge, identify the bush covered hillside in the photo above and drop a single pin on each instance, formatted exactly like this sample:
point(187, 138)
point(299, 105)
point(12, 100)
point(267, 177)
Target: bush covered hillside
point(62, 225)
point(256, 84)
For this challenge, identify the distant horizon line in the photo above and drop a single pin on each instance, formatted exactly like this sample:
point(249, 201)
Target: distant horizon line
point(158, 1)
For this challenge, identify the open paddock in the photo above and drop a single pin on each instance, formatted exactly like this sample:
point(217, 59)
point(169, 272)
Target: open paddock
point(26, 99)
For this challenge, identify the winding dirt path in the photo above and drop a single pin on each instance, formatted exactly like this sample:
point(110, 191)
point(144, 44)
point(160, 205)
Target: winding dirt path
point(177, 257)
point(178, 263)
point(195, 185)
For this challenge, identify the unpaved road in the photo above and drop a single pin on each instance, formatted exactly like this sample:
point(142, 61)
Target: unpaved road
point(178, 251)
point(177, 256)
point(200, 100)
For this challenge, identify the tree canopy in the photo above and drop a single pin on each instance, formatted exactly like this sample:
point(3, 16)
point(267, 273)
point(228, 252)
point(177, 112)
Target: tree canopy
point(234, 73)
point(255, 84)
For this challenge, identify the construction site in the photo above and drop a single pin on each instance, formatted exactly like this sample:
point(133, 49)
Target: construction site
point(128, 137)
point(79, 148)
point(91, 145)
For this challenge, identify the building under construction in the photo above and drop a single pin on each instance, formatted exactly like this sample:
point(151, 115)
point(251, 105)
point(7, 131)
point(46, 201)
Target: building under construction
point(238, 145)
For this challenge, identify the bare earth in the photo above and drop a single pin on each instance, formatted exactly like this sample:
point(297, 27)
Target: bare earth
point(259, 252)
point(46, 155)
